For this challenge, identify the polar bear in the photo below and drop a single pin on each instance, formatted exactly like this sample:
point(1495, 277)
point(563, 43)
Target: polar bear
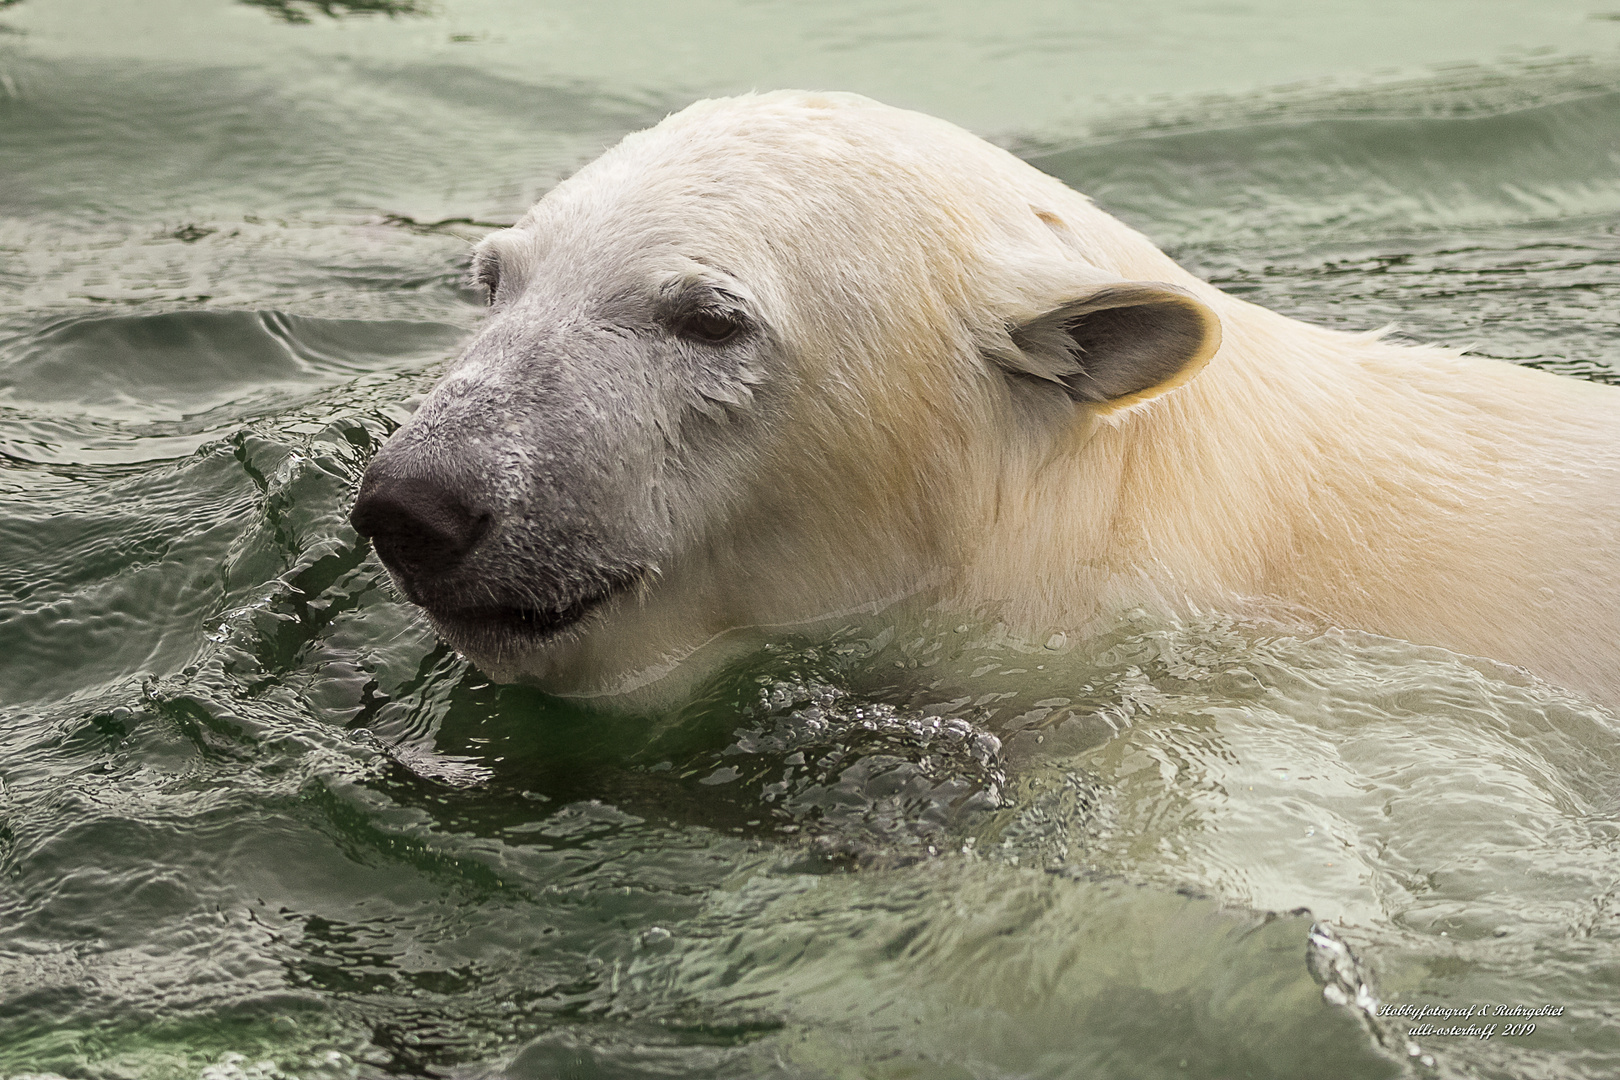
point(792, 355)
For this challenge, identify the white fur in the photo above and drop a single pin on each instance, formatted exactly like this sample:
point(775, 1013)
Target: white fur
point(1408, 491)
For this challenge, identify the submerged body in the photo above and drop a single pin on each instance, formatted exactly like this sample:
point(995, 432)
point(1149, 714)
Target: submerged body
point(786, 357)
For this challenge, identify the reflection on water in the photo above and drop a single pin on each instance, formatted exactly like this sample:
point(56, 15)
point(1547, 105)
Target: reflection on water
point(256, 822)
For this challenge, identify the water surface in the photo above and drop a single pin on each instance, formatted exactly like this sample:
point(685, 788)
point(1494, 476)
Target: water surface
point(256, 822)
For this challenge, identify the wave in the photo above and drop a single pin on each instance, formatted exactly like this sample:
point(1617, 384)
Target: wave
point(1439, 154)
point(181, 362)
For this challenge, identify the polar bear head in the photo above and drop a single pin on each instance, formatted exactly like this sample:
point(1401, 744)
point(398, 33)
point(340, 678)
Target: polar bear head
point(775, 359)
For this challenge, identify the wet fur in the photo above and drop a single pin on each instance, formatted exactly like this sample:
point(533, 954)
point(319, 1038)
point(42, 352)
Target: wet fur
point(893, 431)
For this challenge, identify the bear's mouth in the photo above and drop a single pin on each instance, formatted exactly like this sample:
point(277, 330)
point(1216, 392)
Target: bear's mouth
point(509, 622)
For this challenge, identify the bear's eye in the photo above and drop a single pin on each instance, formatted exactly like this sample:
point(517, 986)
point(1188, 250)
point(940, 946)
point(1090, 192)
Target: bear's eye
point(710, 327)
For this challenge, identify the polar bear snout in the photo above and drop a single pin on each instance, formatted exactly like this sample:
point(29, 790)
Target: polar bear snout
point(419, 525)
point(523, 497)
point(492, 575)
point(493, 568)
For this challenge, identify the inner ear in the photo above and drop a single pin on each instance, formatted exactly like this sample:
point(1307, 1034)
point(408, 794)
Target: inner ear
point(1120, 342)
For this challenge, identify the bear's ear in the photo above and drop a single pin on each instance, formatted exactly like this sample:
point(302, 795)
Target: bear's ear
point(1119, 343)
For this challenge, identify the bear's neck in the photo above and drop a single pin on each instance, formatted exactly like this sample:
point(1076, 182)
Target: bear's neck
point(1398, 490)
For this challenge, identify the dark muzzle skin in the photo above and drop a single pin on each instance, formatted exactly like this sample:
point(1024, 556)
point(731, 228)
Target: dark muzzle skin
point(426, 535)
point(517, 500)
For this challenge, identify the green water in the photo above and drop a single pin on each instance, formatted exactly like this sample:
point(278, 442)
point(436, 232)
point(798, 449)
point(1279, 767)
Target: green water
point(255, 822)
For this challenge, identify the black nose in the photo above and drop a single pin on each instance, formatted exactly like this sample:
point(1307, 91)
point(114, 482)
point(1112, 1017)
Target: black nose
point(419, 527)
